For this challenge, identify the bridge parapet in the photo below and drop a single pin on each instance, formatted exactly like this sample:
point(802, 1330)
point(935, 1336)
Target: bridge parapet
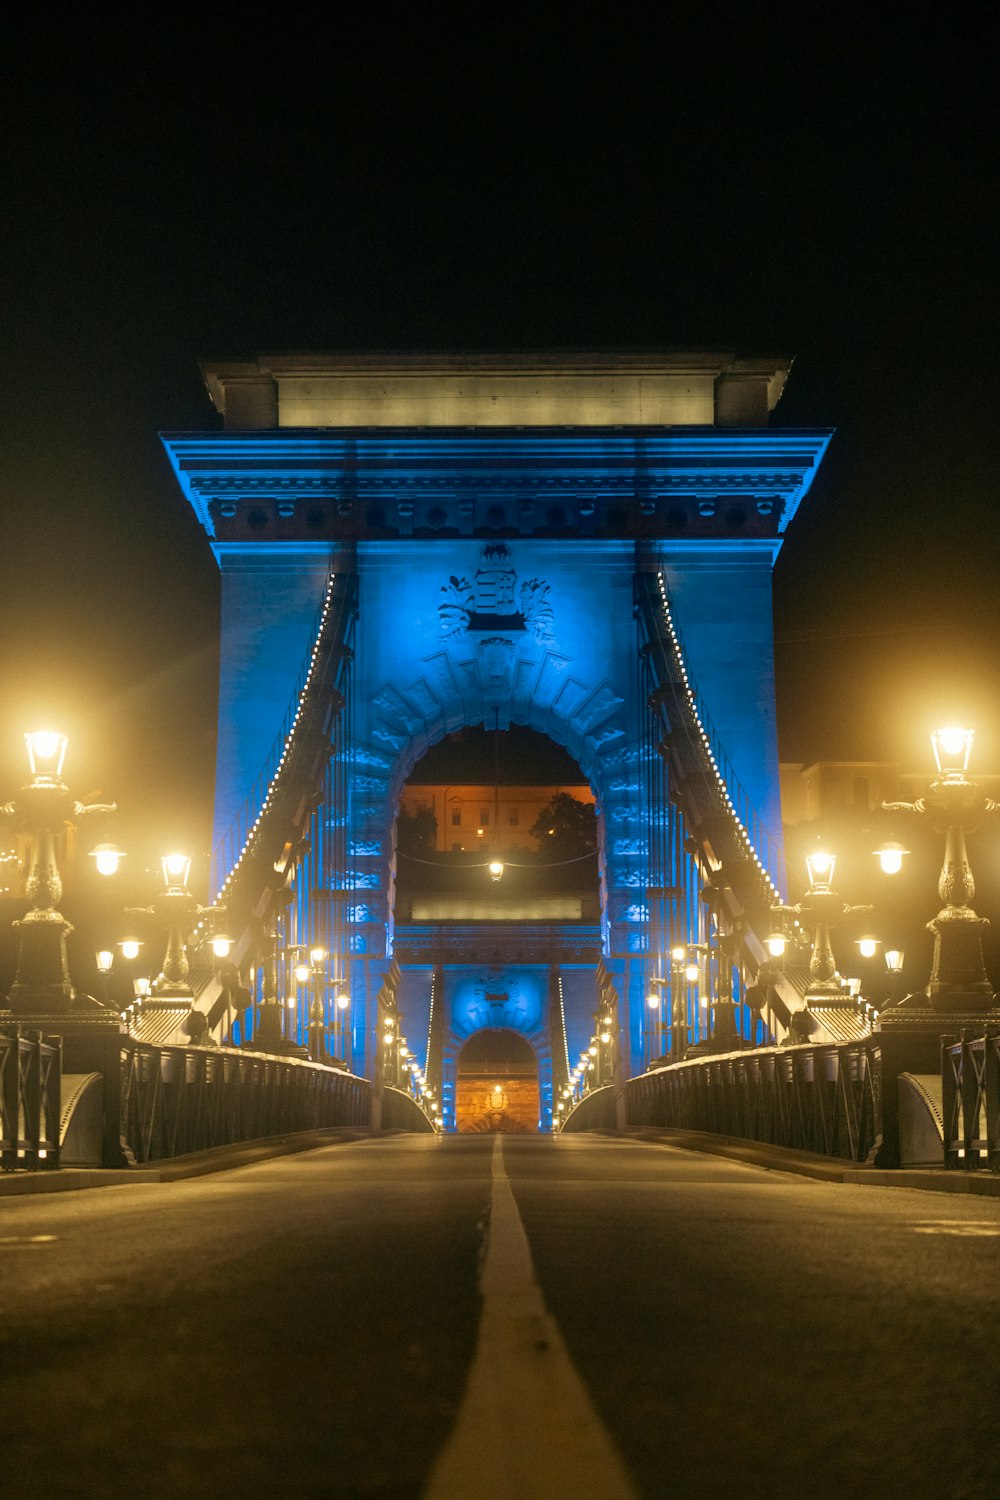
point(827, 1100)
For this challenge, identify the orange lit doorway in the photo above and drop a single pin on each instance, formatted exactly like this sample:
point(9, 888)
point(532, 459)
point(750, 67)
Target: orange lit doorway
point(496, 1083)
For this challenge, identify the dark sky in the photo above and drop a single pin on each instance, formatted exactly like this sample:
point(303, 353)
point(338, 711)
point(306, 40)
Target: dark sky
point(488, 185)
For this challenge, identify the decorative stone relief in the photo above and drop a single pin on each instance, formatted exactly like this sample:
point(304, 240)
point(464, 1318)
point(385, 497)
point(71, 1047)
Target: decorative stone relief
point(493, 600)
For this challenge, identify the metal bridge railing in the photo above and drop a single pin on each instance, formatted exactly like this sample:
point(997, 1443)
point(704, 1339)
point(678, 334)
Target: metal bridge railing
point(30, 1089)
point(826, 1099)
point(175, 1100)
point(970, 1095)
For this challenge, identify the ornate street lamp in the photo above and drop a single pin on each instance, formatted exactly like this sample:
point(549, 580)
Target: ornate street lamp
point(177, 910)
point(820, 910)
point(956, 805)
point(41, 811)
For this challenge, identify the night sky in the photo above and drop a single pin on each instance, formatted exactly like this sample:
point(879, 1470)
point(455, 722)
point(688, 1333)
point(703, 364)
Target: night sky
point(495, 187)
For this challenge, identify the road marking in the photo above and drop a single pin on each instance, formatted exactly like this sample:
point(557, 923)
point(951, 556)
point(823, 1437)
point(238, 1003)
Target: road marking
point(526, 1426)
point(969, 1228)
point(27, 1239)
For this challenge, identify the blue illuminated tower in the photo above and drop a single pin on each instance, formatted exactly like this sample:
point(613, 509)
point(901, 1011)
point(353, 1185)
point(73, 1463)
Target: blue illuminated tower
point(494, 515)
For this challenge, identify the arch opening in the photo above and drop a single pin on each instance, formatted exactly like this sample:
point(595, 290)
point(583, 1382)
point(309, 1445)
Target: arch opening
point(505, 814)
point(497, 1084)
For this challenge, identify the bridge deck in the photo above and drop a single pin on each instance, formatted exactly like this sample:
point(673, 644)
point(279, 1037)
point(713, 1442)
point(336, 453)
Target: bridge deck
point(308, 1325)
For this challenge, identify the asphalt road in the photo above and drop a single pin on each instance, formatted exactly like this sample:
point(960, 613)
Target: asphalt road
point(342, 1322)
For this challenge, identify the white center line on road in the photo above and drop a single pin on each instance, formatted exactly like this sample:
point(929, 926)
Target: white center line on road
point(526, 1426)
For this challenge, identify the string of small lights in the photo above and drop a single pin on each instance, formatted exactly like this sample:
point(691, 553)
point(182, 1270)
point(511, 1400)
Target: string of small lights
point(549, 864)
point(276, 777)
point(692, 706)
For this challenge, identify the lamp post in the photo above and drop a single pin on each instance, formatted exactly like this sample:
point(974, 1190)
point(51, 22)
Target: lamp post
point(105, 959)
point(657, 1026)
point(40, 811)
point(820, 910)
point(177, 910)
point(313, 974)
point(958, 995)
point(678, 1004)
point(956, 805)
point(342, 1029)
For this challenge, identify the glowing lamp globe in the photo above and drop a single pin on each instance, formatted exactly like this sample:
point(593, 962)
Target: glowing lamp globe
point(46, 753)
point(776, 944)
point(820, 867)
point(302, 973)
point(868, 947)
point(496, 869)
point(105, 958)
point(107, 858)
point(342, 1002)
point(176, 869)
point(222, 945)
point(890, 858)
point(952, 749)
point(130, 948)
point(894, 960)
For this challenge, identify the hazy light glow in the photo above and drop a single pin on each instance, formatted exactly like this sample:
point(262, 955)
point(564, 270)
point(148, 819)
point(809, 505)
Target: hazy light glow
point(496, 869)
point(342, 1002)
point(653, 1001)
point(302, 973)
point(691, 972)
point(222, 945)
point(776, 944)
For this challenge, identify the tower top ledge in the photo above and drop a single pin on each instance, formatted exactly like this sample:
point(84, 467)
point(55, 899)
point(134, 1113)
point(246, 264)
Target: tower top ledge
point(492, 390)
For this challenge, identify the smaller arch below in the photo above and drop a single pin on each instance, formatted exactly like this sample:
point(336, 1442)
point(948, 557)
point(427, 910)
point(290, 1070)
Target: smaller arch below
point(497, 1083)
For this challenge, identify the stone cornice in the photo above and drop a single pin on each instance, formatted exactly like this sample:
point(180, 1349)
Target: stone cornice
point(322, 485)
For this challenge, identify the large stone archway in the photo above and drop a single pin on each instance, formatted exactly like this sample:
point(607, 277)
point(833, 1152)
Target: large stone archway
point(531, 632)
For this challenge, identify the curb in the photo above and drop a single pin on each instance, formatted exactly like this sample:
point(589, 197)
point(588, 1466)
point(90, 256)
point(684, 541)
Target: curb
point(177, 1168)
point(819, 1168)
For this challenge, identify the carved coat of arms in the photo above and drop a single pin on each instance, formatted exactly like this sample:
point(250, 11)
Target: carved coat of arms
point(494, 601)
